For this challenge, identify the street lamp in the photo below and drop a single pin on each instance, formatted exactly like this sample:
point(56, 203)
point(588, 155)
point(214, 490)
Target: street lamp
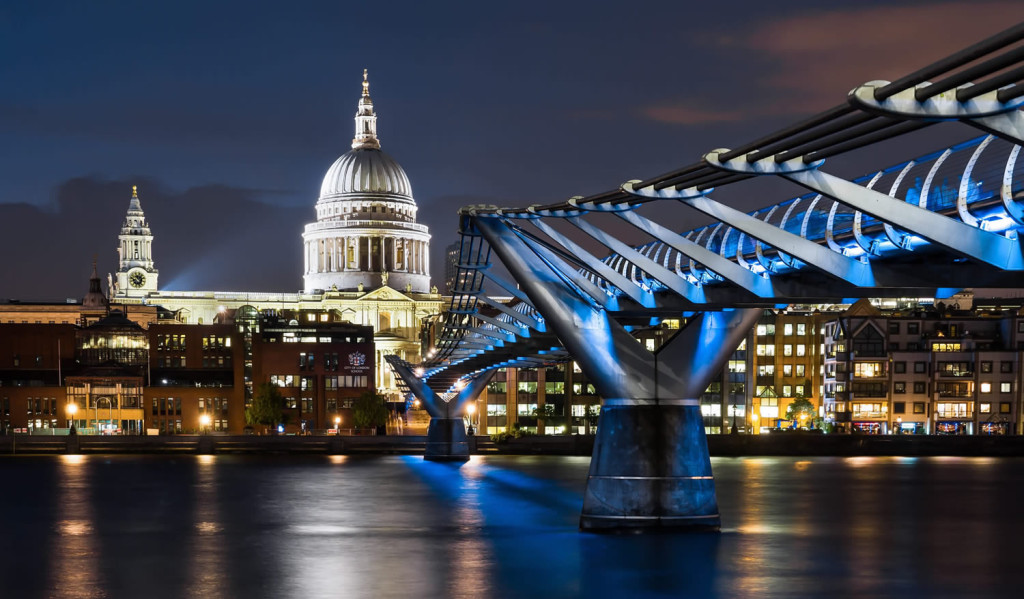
point(337, 424)
point(204, 422)
point(471, 409)
point(72, 409)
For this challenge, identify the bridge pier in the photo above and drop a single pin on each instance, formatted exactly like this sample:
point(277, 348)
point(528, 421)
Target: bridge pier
point(446, 440)
point(650, 467)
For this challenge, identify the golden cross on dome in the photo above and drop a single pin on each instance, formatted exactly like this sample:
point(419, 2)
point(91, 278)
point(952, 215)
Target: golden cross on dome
point(366, 83)
point(135, 191)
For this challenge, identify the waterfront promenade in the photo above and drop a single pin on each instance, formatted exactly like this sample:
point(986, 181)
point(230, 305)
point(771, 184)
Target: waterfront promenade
point(779, 444)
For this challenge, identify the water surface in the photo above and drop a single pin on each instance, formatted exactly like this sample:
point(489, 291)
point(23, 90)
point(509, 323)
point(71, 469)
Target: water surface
point(389, 526)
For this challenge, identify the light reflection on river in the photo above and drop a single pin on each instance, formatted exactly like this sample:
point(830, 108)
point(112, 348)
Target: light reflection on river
point(342, 526)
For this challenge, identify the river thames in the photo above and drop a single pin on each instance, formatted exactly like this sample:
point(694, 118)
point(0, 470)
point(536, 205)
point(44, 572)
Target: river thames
point(504, 526)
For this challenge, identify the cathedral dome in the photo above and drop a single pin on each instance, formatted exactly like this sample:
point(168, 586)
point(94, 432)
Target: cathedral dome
point(366, 235)
point(365, 170)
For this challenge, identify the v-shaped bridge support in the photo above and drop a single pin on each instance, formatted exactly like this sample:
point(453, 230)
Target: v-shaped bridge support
point(650, 466)
point(446, 433)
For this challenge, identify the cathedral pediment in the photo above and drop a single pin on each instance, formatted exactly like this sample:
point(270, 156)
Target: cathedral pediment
point(385, 293)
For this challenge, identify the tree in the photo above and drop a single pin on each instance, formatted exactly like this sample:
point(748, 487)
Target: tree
point(801, 410)
point(369, 411)
point(267, 406)
point(544, 413)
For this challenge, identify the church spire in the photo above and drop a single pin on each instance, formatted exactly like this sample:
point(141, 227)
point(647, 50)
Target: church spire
point(366, 120)
point(95, 297)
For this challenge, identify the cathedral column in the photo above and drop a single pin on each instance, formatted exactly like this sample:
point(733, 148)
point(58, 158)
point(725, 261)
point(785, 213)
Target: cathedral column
point(305, 257)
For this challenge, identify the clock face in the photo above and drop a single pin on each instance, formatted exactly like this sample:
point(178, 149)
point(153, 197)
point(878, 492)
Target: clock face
point(137, 279)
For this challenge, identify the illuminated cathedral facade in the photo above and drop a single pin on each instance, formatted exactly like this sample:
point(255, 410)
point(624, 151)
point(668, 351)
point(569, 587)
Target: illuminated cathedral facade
point(365, 258)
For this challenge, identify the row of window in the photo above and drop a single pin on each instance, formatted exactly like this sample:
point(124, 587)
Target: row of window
point(173, 342)
point(307, 361)
point(209, 361)
point(768, 349)
point(788, 329)
point(38, 405)
point(307, 383)
point(531, 387)
point(213, 405)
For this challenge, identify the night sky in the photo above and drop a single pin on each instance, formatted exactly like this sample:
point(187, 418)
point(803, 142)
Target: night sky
point(227, 116)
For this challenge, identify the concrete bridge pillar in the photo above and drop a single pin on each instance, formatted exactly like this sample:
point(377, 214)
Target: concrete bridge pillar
point(650, 468)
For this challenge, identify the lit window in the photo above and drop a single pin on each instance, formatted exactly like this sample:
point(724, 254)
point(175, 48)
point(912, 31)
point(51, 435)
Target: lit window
point(1005, 387)
point(985, 408)
point(787, 329)
point(986, 388)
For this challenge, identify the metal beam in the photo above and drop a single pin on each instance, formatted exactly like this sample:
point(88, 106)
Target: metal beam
point(604, 271)
point(720, 265)
point(669, 279)
point(848, 269)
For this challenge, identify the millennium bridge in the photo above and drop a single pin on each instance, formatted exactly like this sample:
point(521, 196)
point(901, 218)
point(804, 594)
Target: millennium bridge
point(926, 227)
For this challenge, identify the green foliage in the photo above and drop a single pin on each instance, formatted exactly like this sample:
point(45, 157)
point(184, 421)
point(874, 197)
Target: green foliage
point(544, 411)
point(267, 406)
point(801, 410)
point(369, 411)
point(505, 437)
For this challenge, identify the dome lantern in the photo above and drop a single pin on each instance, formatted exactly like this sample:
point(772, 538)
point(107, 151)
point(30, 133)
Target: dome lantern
point(366, 120)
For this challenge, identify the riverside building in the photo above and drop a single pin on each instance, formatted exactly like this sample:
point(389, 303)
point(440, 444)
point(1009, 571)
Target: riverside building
point(123, 378)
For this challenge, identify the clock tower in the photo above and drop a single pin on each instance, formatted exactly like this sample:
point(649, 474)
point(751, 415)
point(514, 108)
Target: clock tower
point(136, 276)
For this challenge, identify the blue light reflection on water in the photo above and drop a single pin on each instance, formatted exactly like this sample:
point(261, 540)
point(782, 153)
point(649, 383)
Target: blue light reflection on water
point(227, 526)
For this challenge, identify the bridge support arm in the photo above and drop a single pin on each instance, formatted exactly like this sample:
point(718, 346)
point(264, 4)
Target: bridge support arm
point(650, 467)
point(430, 400)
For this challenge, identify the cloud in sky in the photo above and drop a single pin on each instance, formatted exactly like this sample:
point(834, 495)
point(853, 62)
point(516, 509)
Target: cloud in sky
point(807, 63)
point(679, 114)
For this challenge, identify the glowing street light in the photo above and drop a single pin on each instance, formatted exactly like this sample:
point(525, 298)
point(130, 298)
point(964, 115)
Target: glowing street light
point(337, 424)
point(470, 410)
point(72, 409)
point(204, 422)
